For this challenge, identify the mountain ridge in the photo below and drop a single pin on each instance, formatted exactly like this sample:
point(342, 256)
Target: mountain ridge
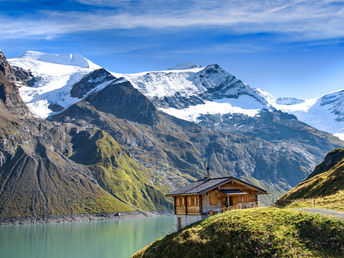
point(191, 93)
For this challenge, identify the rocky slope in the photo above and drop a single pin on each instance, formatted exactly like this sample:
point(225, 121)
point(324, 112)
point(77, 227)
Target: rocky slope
point(331, 159)
point(49, 168)
point(273, 126)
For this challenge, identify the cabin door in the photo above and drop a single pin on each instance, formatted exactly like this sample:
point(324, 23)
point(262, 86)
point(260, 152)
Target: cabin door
point(229, 201)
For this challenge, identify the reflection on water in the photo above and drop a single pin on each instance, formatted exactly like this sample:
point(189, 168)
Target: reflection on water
point(83, 239)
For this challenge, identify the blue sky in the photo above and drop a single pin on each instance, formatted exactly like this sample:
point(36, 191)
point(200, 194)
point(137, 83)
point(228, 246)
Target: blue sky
point(289, 48)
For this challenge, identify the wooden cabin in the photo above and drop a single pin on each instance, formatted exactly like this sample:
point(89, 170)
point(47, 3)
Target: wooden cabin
point(212, 195)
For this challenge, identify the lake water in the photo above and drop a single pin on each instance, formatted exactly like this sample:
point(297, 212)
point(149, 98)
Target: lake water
point(97, 239)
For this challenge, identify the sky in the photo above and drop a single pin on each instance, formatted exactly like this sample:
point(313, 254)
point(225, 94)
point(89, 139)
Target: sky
point(288, 48)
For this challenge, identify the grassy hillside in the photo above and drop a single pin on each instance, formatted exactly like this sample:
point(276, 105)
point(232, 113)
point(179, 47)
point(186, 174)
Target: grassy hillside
point(325, 187)
point(126, 178)
point(260, 232)
point(333, 201)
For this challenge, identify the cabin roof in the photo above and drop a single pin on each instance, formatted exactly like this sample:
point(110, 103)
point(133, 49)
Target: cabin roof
point(205, 185)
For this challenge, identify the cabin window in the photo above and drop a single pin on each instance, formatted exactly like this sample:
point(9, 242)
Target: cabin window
point(212, 199)
point(191, 200)
point(180, 200)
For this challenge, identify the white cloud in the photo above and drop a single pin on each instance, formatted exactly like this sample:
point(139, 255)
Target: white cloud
point(299, 19)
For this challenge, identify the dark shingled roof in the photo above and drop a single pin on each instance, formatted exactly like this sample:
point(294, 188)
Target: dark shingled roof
point(186, 188)
point(204, 185)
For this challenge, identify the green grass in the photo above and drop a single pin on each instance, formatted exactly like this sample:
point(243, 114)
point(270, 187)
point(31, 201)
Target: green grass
point(124, 177)
point(259, 232)
point(326, 188)
point(333, 201)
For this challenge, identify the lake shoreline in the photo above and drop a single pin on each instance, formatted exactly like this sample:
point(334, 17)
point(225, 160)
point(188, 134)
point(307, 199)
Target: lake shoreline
point(82, 217)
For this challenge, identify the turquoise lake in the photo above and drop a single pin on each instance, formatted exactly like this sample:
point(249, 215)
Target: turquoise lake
point(97, 239)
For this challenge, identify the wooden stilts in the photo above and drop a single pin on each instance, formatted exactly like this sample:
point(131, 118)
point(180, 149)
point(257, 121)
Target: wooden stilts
point(179, 225)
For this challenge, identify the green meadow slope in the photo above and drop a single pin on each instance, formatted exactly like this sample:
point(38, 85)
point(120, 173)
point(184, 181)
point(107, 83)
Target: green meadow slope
point(124, 178)
point(259, 232)
point(324, 186)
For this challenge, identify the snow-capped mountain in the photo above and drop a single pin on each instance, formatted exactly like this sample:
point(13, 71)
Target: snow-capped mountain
point(54, 76)
point(186, 91)
point(325, 113)
point(189, 93)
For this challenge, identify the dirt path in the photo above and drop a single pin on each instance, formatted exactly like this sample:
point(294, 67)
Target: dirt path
point(326, 212)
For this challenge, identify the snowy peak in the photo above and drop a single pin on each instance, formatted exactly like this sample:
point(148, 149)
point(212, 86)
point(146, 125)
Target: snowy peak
point(160, 84)
point(335, 101)
point(54, 76)
point(188, 94)
point(184, 66)
point(212, 76)
point(224, 87)
point(213, 68)
point(63, 59)
point(184, 83)
point(90, 82)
